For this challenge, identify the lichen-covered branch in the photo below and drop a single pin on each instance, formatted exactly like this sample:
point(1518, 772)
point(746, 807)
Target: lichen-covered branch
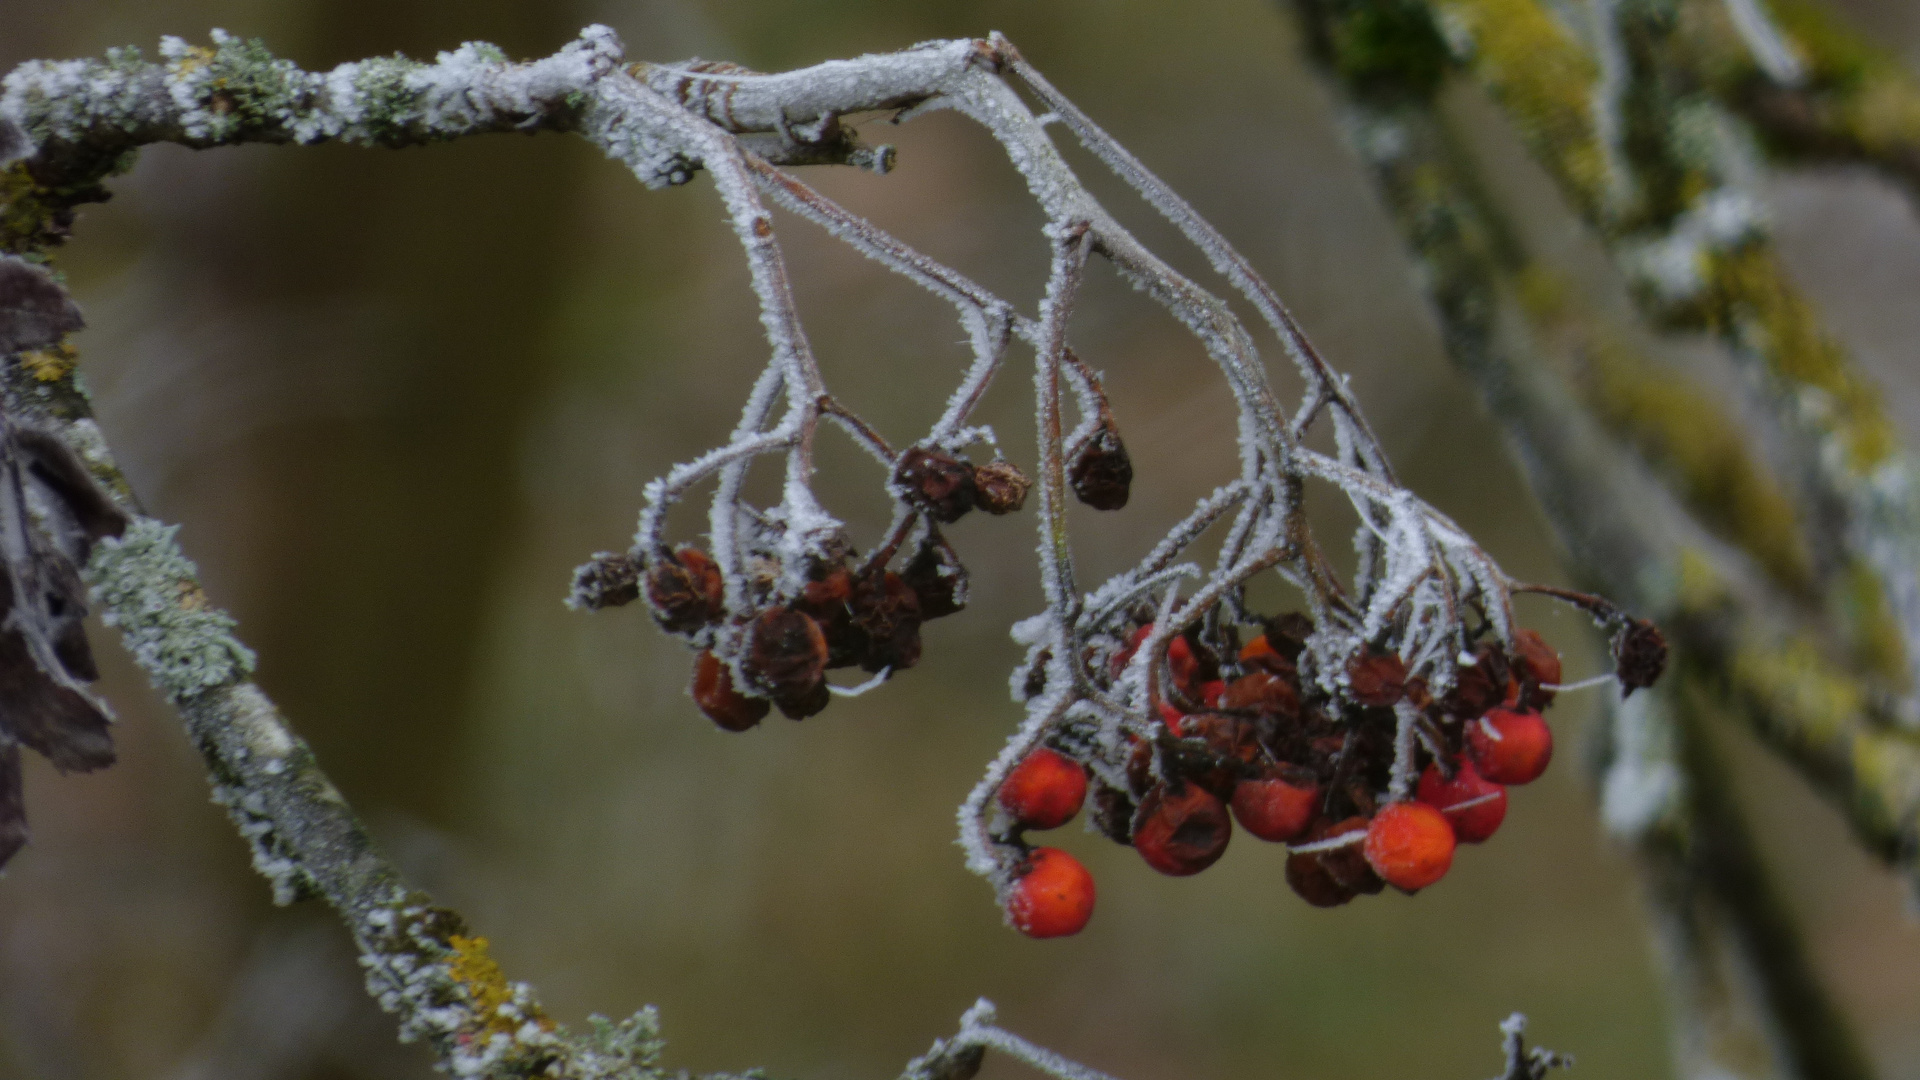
point(1732, 628)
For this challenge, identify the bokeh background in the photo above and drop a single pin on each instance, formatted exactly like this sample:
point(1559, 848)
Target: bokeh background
point(395, 397)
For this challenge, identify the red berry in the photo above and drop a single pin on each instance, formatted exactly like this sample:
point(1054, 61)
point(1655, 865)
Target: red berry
point(1274, 809)
point(1182, 830)
point(1472, 804)
point(1212, 692)
point(1125, 656)
point(1181, 661)
point(1171, 717)
point(1045, 790)
point(1509, 747)
point(1410, 845)
point(713, 691)
point(1053, 896)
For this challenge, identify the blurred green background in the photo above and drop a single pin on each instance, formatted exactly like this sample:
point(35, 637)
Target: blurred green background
point(395, 397)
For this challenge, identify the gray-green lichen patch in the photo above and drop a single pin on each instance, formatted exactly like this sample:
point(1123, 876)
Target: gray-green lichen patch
point(151, 593)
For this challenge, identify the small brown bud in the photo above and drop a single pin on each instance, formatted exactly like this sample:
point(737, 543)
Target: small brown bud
point(685, 591)
point(938, 483)
point(609, 580)
point(1639, 655)
point(938, 580)
point(1377, 678)
point(1100, 470)
point(1000, 487)
point(786, 655)
point(713, 691)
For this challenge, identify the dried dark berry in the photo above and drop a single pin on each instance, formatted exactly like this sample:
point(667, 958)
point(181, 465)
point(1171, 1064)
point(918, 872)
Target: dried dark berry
point(937, 580)
point(1639, 655)
point(1181, 830)
point(807, 703)
point(1536, 665)
point(1100, 470)
point(1377, 678)
point(786, 656)
point(1348, 865)
point(938, 483)
point(610, 579)
point(888, 613)
point(1264, 692)
point(685, 591)
point(1113, 812)
point(713, 691)
point(1000, 487)
point(1479, 687)
point(825, 599)
point(1309, 879)
point(1260, 655)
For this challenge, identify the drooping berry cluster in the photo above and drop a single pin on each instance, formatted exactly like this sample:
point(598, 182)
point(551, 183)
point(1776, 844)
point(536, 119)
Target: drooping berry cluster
point(1324, 765)
point(772, 648)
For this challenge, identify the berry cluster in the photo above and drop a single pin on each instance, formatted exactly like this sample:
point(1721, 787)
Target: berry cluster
point(772, 647)
point(1325, 766)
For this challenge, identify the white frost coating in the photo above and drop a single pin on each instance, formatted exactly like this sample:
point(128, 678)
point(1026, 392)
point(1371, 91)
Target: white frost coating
point(146, 588)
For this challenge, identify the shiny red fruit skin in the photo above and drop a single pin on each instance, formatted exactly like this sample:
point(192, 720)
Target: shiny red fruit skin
point(1274, 810)
point(1509, 747)
point(1410, 845)
point(1182, 830)
point(1472, 804)
point(1053, 896)
point(1045, 790)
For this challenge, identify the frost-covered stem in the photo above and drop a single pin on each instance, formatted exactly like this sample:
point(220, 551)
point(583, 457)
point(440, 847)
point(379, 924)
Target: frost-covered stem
point(1056, 548)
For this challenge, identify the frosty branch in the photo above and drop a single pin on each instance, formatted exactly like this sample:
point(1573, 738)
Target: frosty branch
point(1141, 682)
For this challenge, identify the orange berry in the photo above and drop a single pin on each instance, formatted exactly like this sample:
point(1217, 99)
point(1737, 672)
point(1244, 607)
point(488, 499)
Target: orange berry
point(1182, 830)
point(1045, 790)
point(1053, 896)
point(1509, 747)
point(713, 691)
point(1472, 804)
point(1273, 809)
point(1410, 845)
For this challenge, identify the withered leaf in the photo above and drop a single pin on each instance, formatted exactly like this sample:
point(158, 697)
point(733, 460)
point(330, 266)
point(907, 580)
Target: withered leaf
point(35, 312)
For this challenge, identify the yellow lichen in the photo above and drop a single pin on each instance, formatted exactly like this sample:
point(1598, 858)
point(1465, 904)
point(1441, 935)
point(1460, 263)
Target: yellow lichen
point(1752, 298)
point(1546, 81)
point(1681, 429)
point(1876, 634)
point(474, 970)
point(51, 365)
point(1874, 100)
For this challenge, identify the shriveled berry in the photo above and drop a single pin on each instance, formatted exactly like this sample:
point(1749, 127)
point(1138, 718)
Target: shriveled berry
point(1639, 655)
point(1410, 845)
point(1182, 829)
point(1377, 678)
point(938, 581)
point(1045, 790)
point(786, 654)
point(1100, 471)
point(1112, 813)
point(1265, 693)
point(1288, 634)
point(1509, 747)
point(885, 608)
point(713, 691)
point(1273, 809)
point(1474, 805)
point(610, 580)
point(1537, 665)
point(1309, 879)
point(1231, 744)
point(1052, 897)
point(1478, 687)
point(810, 702)
point(685, 591)
point(936, 482)
point(1000, 487)
point(1347, 863)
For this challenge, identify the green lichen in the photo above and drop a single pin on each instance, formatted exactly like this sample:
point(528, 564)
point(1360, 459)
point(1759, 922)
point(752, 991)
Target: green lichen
point(150, 592)
point(1681, 428)
point(1751, 301)
point(246, 88)
point(1544, 79)
point(389, 105)
point(1387, 48)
